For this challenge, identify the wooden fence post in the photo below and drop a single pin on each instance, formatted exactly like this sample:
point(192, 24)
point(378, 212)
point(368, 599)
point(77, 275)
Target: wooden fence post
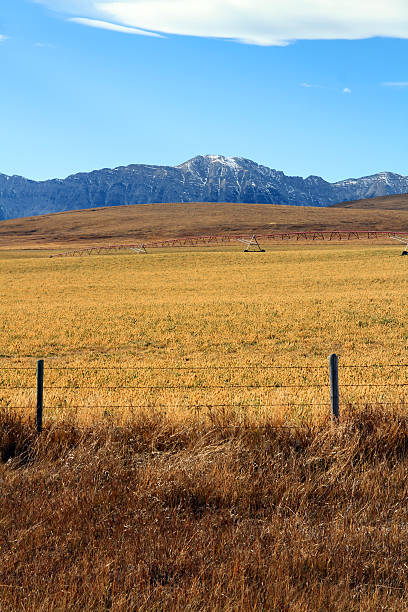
point(40, 395)
point(334, 387)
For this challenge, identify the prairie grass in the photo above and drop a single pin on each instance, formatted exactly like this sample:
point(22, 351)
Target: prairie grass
point(154, 515)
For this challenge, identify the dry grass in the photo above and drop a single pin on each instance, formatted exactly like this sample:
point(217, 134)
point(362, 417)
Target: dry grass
point(213, 509)
point(206, 308)
point(158, 516)
point(127, 224)
point(394, 202)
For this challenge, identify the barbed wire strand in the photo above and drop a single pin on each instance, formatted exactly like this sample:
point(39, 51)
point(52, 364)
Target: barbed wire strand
point(198, 388)
point(189, 368)
point(199, 406)
point(175, 387)
point(6, 388)
point(18, 407)
point(375, 365)
point(188, 406)
point(32, 368)
point(209, 367)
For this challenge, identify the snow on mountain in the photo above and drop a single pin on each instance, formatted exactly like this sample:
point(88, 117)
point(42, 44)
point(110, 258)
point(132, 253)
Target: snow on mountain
point(205, 178)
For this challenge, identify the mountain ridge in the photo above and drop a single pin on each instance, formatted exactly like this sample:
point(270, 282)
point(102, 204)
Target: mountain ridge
point(204, 178)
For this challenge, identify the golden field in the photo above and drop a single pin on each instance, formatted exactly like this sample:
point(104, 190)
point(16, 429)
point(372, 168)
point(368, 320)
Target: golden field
point(199, 498)
point(218, 310)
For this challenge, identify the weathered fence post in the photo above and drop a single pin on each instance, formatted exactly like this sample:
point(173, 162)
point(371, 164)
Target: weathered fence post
point(334, 387)
point(40, 395)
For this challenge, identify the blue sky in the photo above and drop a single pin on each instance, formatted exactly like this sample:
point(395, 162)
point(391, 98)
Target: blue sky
point(305, 92)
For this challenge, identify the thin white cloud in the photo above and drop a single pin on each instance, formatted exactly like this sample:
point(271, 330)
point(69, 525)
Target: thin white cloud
point(396, 84)
point(105, 25)
point(313, 86)
point(261, 22)
point(346, 90)
point(42, 45)
point(3, 38)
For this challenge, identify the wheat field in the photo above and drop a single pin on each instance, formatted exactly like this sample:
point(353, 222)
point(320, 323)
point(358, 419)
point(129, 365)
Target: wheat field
point(222, 316)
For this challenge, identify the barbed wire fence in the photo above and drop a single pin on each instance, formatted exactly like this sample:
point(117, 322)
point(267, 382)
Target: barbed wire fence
point(331, 385)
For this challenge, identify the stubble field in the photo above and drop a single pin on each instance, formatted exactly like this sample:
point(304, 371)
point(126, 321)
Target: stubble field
point(179, 468)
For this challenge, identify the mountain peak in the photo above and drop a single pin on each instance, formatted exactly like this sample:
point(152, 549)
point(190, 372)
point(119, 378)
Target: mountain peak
point(232, 162)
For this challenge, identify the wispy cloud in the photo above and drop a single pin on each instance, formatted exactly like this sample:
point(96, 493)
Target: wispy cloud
point(106, 25)
point(3, 38)
point(43, 45)
point(346, 90)
point(314, 86)
point(260, 22)
point(396, 84)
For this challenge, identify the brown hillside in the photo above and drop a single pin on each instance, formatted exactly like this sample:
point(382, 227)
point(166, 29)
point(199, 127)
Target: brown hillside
point(127, 224)
point(394, 202)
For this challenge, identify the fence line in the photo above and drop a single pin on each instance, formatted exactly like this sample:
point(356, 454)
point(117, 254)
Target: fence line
point(276, 386)
point(196, 387)
point(209, 367)
point(332, 384)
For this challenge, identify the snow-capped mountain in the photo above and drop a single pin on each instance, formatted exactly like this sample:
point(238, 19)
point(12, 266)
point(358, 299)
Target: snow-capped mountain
point(206, 178)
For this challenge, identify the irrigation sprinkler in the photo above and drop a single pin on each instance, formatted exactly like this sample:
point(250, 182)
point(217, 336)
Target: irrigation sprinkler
point(252, 245)
point(141, 249)
point(404, 241)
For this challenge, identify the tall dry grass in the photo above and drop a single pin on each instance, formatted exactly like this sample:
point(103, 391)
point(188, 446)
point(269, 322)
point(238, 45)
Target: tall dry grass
point(154, 515)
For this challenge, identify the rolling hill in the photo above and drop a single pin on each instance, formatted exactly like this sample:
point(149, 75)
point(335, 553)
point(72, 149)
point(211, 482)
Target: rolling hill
point(394, 202)
point(129, 224)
